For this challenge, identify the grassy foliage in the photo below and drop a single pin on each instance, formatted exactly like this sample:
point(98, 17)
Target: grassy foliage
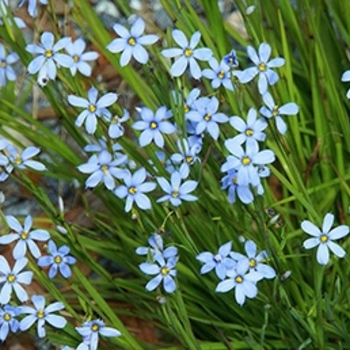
point(310, 177)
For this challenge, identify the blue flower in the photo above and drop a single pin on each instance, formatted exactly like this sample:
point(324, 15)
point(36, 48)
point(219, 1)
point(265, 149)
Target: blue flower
point(131, 43)
point(262, 67)
point(76, 51)
point(103, 168)
point(219, 74)
point(33, 6)
point(153, 125)
point(243, 281)
point(48, 56)
point(116, 129)
point(246, 162)
point(229, 182)
point(57, 260)
point(220, 261)
point(134, 189)
point(16, 159)
point(24, 236)
point(8, 321)
point(90, 332)
point(175, 191)
point(324, 238)
point(255, 260)
point(93, 108)
point(41, 314)
point(12, 279)
point(187, 155)
point(156, 248)
point(206, 116)
point(6, 71)
point(165, 271)
point(346, 77)
point(188, 54)
point(250, 131)
point(274, 111)
point(231, 59)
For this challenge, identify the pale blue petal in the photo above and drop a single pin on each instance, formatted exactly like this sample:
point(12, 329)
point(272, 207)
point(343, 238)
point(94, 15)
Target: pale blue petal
point(180, 38)
point(140, 54)
point(336, 249)
point(322, 254)
point(327, 222)
point(339, 232)
point(154, 283)
point(117, 45)
point(179, 66)
point(225, 286)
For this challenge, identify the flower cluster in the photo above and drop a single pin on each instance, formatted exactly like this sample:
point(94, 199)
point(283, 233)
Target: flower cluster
point(49, 57)
point(237, 271)
point(163, 264)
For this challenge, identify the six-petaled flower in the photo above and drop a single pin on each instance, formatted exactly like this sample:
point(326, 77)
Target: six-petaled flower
point(24, 236)
point(175, 191)
point(94, 108)
point(272, 110)
point(13, 278)
point(153, 125)
point(58, 260)
point(165, 271)
point(41, 314)
point(188, 54)
point(263, 67)
point(324, 238)
point(48, 56)
point(91, 330)
point(131, 43)
point(134, 190)
point(80, 58)
point(220, 261)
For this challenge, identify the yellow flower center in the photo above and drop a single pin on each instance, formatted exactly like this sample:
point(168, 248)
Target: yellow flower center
point(249, 132)
point(246, 160)
point(91, 108)
point(239, 279)
point(153, 125)
point(24, 235)
point(11, 278)
point(188, 52)
point(186, 108)
point(40, 314)
point(221, 74)
point(95, 327)
point(18, 159)
point(324, 238)
point(57, 259)
point(252, 262)
point(175, 193)
point(76, 58)
point(104, 169)
point(262, 67)
point(3, 64)
point(48, 53)
point(275, 111)
point(207, 117)
point(132, 41)
point(115, 119)
point(164, 271)
point(7, 317)
point(189, 159)
point(132, 190)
